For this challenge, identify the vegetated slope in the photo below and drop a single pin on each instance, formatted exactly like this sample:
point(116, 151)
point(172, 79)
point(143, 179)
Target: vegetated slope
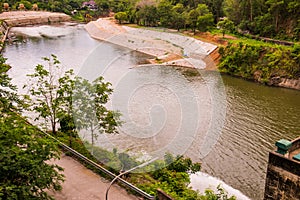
point(272, 65)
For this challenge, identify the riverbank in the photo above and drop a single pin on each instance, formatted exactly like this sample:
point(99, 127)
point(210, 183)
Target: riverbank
point(270, 65)
point(165, 47)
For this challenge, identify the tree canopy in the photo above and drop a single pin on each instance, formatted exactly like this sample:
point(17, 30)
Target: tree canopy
point(266, 18)
point(50, 94)
point(23, 150)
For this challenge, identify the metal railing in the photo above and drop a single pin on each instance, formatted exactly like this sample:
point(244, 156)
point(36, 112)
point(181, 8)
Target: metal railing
point(107, 172)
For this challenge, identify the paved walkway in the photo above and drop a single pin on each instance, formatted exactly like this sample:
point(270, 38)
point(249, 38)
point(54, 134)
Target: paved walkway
point(83, 184)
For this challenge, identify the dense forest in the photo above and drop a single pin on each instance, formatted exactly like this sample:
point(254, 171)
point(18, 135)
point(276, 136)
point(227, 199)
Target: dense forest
point(268, 18)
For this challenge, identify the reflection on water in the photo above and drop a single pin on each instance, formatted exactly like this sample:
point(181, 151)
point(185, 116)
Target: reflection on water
point(257, 116)
point(164, 110)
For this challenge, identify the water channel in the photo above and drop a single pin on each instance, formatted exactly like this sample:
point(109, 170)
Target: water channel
point(168, 109)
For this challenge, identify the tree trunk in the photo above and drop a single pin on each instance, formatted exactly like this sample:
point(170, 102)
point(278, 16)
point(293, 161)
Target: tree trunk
point(251, 11)
point(53, 128)
point(92, 131)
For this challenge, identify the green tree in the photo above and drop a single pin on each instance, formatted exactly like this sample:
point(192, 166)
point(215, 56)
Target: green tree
point(103, 6)
point(274, 9)
point(23, 150)
point(90, 112)
point(179, 17)
point(215, 7)
point(205, 18)
point(226, 25)
point(121, 17)
point(164, 9)
point(8, 97)
point(147, 15)
point(50, 93)
point(232, 9)
point(193, 19)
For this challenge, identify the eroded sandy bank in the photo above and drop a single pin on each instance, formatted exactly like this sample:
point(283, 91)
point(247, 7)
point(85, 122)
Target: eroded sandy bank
point(167, 48)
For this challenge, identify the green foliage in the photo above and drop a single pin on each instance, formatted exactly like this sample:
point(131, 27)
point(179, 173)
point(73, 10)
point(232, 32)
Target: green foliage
point(23, 150)
point(226, 25)
point(147, 16)
point(220, 195)
point(270, 18)
point(57, 98)
point(8, 97)
point(90, 113)
point(50, 94)
point(164, 13)
point(263, 64)
point(193, 19)
point(171, 175)
point(121, 17)
point(23, 171)
point(205, 22)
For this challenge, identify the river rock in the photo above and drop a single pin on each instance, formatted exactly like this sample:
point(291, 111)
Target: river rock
point(290, 83)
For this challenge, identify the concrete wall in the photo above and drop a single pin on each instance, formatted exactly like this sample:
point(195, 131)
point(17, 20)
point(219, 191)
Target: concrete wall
point(283, 176)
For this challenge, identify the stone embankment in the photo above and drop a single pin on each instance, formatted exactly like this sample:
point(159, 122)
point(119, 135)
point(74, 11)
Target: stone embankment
point(166, 47)
point(290, 83)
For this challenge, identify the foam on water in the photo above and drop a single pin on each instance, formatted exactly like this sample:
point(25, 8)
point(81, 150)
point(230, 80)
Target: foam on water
point(44, 31)
point(202, 181)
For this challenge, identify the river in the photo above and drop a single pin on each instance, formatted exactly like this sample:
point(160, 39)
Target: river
point(227, 124)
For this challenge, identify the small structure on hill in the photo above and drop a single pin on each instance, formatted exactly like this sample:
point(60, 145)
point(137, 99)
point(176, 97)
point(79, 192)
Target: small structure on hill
point(283, 175)
point(91, 5)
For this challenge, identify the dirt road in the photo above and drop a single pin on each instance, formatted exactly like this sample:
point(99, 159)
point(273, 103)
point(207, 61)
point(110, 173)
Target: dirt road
point(83, 184)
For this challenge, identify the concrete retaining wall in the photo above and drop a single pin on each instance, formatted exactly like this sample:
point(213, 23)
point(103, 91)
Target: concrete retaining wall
point(283, 176)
